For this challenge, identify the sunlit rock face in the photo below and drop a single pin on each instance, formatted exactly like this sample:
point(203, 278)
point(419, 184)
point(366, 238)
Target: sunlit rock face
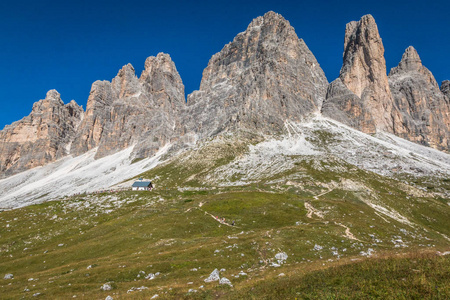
point(361, 97)
point(42, 137)
point(425, 110)
point(265, 76)
point(132, 111)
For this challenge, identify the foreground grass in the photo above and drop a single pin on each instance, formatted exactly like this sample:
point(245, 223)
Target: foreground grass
point(415, 276)
point(71, 248)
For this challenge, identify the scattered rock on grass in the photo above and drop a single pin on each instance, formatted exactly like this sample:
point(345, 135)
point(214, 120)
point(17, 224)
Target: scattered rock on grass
point(214, 276)
point(281, 257)
point(224, 280)
point(151, 276)
point(8, 276)
point(106, 287)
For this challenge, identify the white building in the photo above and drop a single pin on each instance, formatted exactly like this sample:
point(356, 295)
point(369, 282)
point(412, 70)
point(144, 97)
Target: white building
point(142, 186)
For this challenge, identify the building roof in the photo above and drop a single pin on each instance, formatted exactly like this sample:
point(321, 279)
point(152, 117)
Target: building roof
point(142, 184)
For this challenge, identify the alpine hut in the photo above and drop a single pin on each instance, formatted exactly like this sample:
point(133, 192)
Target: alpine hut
point(142, 186)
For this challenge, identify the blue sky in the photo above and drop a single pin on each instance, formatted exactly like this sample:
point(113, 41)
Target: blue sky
point(67, 45)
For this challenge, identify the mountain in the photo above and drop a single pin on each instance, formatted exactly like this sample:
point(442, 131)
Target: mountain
point(263, 77)
point(361, 97)
point(40, 138)
point(322, 205)
point(407, 103)
point(131, 111)
point(425, 111)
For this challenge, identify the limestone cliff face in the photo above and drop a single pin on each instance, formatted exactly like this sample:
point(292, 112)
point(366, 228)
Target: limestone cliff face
point(41, 137)
point(361, 97)
point(133, 111)
point(98, 113)
point(425, 111)
point(263, 77)
point(445, 88)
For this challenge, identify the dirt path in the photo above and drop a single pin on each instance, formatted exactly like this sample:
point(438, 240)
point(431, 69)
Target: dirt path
point(312, 211)
point(348, 233)
point(316, 197)
point(218, 219)
point(212, 216)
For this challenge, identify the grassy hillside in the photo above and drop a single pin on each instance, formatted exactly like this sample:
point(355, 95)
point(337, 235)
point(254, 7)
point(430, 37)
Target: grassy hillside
point(305, 227)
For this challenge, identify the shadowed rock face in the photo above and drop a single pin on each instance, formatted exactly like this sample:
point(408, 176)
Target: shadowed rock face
point(131, 111)
point(263, 77)
point(445, 88)
point(41, 137)
point(425, 111)
point(361, 97)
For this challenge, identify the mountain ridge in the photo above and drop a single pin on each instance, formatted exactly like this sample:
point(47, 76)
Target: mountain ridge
point(262, 78)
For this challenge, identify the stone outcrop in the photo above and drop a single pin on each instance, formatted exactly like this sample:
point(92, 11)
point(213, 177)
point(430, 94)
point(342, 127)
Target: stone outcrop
point(265, 76)
point(361, 97)
point(42, 137)
point(445, 88)
point(425, 111)
point(133, 111)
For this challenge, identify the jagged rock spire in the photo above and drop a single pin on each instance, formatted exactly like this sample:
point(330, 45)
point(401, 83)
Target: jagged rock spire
point(410, 62)
point(361, 97)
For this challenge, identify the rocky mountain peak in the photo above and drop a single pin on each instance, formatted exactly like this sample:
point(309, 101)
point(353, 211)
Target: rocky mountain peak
point(264, 77)
point(52, 98)
point(410, 62)
point(125, 84)
point(361, 97)
point(53, 95)
point(411, 56)
point(270, 18)
point(41, 137)
point(364, 64)
point(132, 111)
point(159, 63)
point(161, 79)
point(425, 112)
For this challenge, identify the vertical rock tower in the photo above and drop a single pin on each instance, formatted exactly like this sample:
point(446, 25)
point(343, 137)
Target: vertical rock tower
point(361, 97)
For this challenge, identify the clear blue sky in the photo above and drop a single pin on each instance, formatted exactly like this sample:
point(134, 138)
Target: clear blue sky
point(67, 45)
